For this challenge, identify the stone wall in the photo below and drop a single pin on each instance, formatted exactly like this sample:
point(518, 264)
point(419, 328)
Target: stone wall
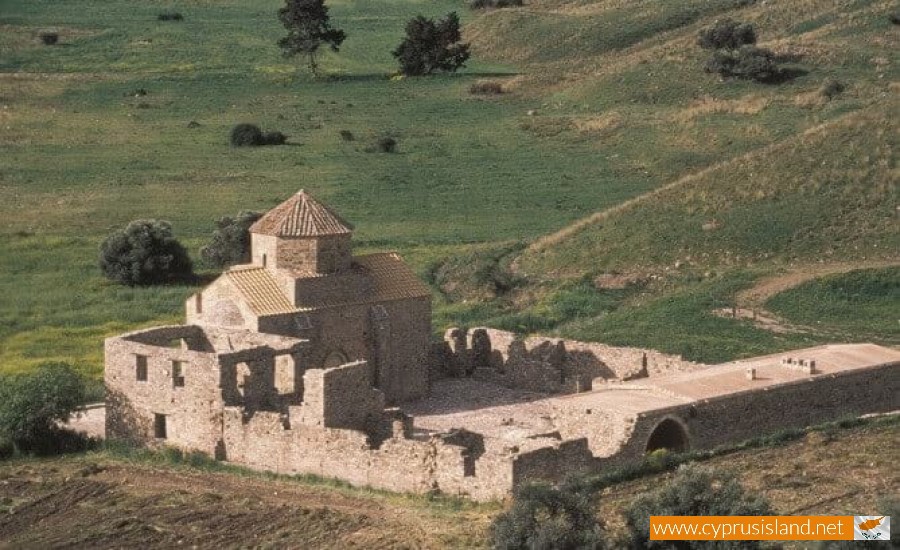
point(550, 365)
point(342, 397)
point(265, 441)
point(219, 305)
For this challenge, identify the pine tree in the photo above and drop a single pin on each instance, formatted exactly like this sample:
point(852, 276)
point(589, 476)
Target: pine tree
point(308, 28)
point(431, 46)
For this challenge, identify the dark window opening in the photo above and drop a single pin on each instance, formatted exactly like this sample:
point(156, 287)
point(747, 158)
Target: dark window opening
point(199, 303)
point(264, 260)
point(159, 426)
point(177, 374)
point(140, 368)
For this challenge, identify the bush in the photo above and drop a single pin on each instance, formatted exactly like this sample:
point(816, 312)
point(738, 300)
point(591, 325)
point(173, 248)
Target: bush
point(144, 253)
point(486, 87)
point(230, 243)
point(894, 18)
point(694, 491)
point(832, 88)
point(170, 16)
point(386, 145)
point(748, 62)
point(346, 135)
point(246, 135)
point(249, 135)
point(49, 38)
point(33, 405)
point(543, 517)
point(727, 34)
point(274, 138)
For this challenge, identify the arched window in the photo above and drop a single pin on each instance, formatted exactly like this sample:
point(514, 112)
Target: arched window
point(670, 435)
point(334, 359)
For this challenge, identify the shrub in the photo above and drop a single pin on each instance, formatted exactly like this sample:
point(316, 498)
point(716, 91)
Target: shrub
point(274, 138)
point(170, 16)
point(748, 62)
point(144, 253)
point(832, 88)
point(33, 405)
point(431, 46)
point(230, 243)
point(386, 144)
point(543, 517)
point(346, 135)
point(249, 135)
point(727, 34)
point(49, 38)
point(486, 87)
point(694, 491)
point(246, 135)
point(894, 18)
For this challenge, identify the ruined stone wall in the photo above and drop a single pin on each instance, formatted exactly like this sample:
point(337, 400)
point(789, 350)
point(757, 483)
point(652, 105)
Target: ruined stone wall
point(192, 411)
point(341, 397)
point(552, 365)
point(745, 415)
point(265, 441)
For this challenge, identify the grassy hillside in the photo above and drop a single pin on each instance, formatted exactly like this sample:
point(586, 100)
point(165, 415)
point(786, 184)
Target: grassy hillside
point(619, 108)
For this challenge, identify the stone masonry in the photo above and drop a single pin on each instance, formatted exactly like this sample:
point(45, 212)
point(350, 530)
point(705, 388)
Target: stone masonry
point(312, 360)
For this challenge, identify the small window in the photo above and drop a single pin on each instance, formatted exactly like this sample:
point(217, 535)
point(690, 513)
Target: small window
point(159, 426)
point(264, 260)
point(178, 374)
point(379, 312)
point(198, 303)
point(140, 368)
point(303, 322)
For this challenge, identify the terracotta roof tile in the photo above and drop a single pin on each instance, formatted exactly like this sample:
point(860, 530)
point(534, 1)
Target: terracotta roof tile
point(393, 279)
point(260, 290)
point(301, 216)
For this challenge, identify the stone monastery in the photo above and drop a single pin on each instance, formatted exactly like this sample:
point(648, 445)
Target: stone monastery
point(312, 360)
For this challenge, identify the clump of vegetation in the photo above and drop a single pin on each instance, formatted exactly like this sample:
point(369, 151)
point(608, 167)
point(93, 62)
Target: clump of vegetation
point(309, 27)
point(386, 144)
point(230, 243)
point(748, 62)
point(49, 38)
point(144, 253)
point(170, 16)
point(486, 87)
point(544, 517)
point(485, 4)
point(347, 135)
point(33, 405)
point(727, 34)
point(894, 18)
point(831, 88)
point(249, 135)
point(431, 46)
point(694, 491)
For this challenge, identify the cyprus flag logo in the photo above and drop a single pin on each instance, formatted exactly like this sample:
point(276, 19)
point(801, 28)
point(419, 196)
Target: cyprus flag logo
point(872, 528)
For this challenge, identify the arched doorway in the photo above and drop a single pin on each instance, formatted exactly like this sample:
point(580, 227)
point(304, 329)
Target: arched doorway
point(670, 435)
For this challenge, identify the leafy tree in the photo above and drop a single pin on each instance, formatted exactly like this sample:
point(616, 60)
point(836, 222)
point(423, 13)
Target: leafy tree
point(431, 46)
point(144, 253)
point(308, 26)
point(230, 243)
point(547, 518)
point(748, 62)
point(33, 405)
point(727, 34)
point(695, 491)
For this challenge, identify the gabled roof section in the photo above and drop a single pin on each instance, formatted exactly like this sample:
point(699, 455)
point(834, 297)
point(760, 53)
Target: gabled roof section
point(260, 290)
point(393, 279)
point(301, 216)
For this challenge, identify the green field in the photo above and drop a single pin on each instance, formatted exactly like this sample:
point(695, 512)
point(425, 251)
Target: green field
point(622, 108)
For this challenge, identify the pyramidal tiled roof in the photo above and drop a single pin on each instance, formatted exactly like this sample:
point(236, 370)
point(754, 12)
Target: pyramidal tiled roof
point(301, 216)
